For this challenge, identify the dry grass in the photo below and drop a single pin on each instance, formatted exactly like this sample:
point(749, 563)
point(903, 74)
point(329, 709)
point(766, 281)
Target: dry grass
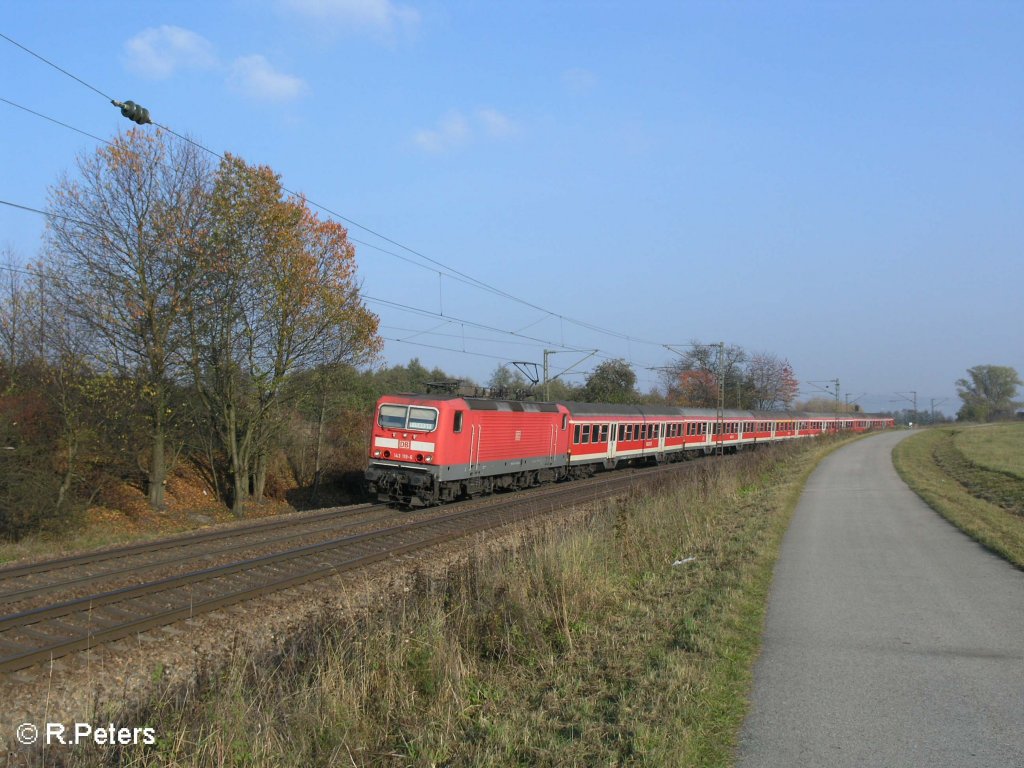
point(586, 647)
point(125, 517)
point(947, 468)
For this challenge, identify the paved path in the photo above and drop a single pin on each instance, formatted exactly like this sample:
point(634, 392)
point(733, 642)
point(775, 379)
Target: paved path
point(892, 639)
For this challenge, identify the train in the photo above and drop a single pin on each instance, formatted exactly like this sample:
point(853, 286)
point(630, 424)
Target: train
point(431, 449)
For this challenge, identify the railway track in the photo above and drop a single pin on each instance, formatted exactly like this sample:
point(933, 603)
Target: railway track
point(21, 586)
point(44, 632)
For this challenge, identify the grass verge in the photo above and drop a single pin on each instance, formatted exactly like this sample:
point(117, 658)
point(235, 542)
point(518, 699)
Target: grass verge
point(590, 645)
point(952, 469)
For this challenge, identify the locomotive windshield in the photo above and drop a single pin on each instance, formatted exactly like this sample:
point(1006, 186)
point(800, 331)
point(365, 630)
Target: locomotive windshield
point(407, 417)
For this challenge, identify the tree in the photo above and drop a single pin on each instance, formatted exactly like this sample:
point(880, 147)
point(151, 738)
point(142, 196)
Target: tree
point(508, 382)
point(613, 381)
point(123, 238)
point(279, 295)
point(989, 393)
point(58, 418)
point(770, 382)
point(694, 380)
point(696, 389)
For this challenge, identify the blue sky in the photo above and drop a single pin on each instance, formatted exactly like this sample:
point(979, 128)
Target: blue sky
point(836, 183)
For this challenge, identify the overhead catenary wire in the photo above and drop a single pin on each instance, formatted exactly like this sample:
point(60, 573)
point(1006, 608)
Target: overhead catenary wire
point(444, 271)
point(366, 297)
point(471, 283)
point(475, 281)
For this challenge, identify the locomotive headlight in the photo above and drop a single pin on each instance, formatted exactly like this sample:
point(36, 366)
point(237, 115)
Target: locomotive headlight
point(429, 459)
point(377, 454)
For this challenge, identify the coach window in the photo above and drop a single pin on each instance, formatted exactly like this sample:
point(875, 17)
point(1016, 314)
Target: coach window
point(586, 434)
point(576, 434)
point(457, 427)
point(604, 434)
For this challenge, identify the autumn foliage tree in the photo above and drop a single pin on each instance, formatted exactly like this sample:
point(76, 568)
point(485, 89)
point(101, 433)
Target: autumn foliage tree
point(770, 382)
point(759, 380)
point(280, 296)
point(122, 246)
point(175, 307)
point(693, 380)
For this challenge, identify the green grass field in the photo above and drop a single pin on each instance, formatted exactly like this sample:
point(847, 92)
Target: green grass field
point(998, 447)
point(974, 477)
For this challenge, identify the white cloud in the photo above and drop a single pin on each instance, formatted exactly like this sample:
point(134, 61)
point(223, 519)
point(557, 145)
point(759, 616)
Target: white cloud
point(254, 77)
point(160, 51)
point(495, 124)
point(451, 131)
point(455, 129)
point(374, 14)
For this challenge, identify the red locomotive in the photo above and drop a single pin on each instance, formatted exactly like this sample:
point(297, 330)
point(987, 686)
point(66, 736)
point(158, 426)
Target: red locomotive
point(429, 449)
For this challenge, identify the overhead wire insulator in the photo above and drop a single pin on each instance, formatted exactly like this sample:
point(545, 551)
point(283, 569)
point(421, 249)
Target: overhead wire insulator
point(134, 112)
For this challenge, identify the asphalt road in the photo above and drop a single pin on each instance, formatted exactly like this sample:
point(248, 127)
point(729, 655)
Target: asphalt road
point(892, 639)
